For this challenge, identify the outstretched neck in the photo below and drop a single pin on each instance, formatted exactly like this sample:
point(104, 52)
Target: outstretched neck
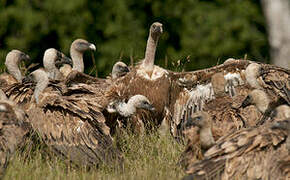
point(148, 62)
point(206, 138)
point(78, 62)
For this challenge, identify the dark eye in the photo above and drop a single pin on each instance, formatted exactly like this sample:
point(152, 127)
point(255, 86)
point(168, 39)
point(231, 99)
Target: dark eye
point(154, 26)
point(145, 102)
point(198, 118)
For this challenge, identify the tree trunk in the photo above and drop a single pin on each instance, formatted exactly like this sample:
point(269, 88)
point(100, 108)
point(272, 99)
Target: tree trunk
point(277, 13)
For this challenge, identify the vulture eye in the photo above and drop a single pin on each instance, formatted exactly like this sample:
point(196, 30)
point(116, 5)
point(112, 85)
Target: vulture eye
point(198, 118)
point(154, 26)
point(145, 102)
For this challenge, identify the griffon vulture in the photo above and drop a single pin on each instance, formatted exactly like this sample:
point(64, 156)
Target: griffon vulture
point(12, 61)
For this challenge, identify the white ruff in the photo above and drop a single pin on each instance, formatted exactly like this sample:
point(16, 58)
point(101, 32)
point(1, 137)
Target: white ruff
point(235, 78)
point(157, 73)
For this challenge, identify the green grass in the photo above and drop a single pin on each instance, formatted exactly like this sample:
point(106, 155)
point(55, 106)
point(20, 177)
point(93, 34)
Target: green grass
point(145, 157)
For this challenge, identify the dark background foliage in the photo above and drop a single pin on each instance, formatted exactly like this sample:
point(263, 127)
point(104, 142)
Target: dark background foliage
point(206, 32)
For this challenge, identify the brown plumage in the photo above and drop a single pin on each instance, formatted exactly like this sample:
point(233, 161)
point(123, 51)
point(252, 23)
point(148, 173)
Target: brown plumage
point(72, 126)
point(217, 90)
point(274, 80)
point(252, 153)
point(149, 80)
point(70, 122)
point(13, 130)
point(220, 91)
point(261, 100)
point(12, 62)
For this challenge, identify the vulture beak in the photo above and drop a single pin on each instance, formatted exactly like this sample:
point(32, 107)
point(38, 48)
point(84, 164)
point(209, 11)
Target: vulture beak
point(190, 122)
point(281, 124)
point(273, 114)
point(64, 60)
point(159, 29)
point(124, 69)
point(28, 79)
point(150, 107)
point(92, 47)
point(25, 57)
point(262, 71)
point(246, 102)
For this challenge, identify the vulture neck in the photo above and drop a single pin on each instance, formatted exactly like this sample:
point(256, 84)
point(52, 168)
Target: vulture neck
point(12, 63)
point(206, 138)
point(42, 83)
point(126, 110)
point(78, 62)
point(51, 69)
point(148, 62)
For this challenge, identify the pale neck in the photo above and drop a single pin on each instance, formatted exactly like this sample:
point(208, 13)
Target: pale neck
point(14, 70)
point(53, 72)
point(206, 138)
point(148, 62)
point(126, 110)
point(40, 86)
point(251, 76)
point(78, 62)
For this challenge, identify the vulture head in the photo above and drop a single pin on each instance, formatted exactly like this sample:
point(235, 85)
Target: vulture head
point(156, 30)
point(130, 108)
point(284, 125)
point(82, 45)
point(281, 112)
point(77, 49)
point(119, 69)
point(52, 60)
point(55, 58)
point(203, 121)
point(140, 102)
point(12, 61)
point(258, 98)
point(252, 73)
point(200, 119)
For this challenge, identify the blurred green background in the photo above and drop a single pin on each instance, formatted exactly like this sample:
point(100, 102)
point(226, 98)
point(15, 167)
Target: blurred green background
point(205, 31)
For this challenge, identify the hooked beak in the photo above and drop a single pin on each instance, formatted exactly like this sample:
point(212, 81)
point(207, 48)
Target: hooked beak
point(64, 60)
point(190, 122)
point(150, 107)
point(278, 125)
point(28, 79)
point(25, 57)
point(92, 47)
point(246, 102)
point(124, 69)
point(159, 30)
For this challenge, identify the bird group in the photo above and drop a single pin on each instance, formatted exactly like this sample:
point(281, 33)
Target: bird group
point(234, 115)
